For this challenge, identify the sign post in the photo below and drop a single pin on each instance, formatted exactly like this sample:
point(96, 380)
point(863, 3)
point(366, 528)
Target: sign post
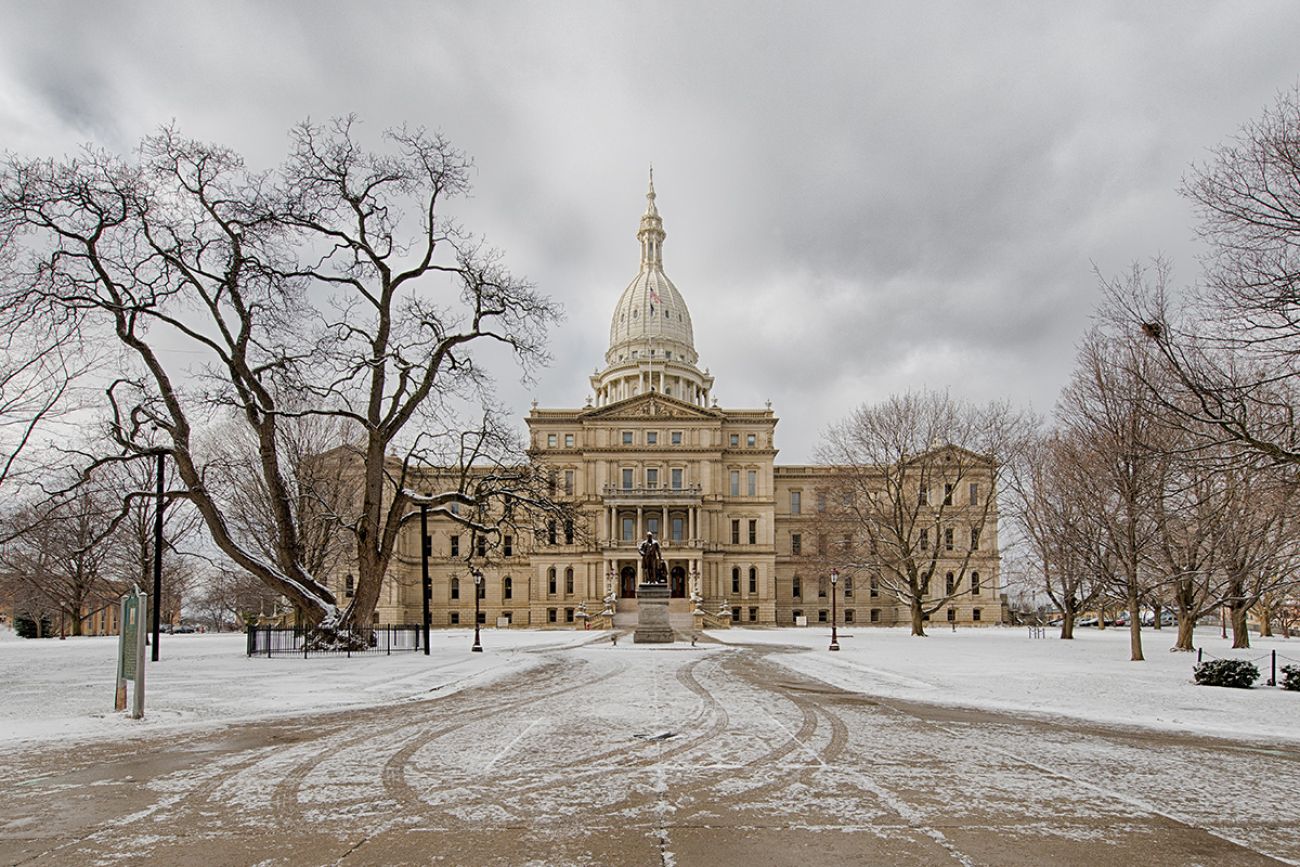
point(130, 651)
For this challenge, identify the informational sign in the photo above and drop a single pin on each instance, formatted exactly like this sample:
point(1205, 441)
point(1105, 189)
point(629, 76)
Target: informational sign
point(130, 651)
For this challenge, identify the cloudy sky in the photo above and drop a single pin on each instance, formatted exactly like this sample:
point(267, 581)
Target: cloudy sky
point(860, 198)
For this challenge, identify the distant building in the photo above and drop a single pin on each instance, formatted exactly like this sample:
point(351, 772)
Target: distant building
point(651, 451)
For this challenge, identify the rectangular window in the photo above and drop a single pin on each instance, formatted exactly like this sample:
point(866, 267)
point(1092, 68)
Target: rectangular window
point(627, 437)
point(507, 546)
point(677, 478)
point(796, 587)
point(735, 440)
point(679, 529)
point(974, 493)
point(947, 539)
point(974, 538)
point(949, 584)
point(924, 542)
point(652, 525)
point(848, 586)
point(923, 496)
point(627, 478)
point(735, 532)
point(875, 615)
point(676, 437)
point(550, 532)
point(651, 478)
point(753, 532)
point(974, 583)
point(952, 615)
point(481, 547)
point(753, 615)
point(975, 615)
point(629, 526)
point(875, 587)
point(735, 614)
point(455, 618)
point(751, 483)
point(568, 441)
point(947, 494)
point(568, 615)
point(796, 543)
point(751, 440)
point(821, 616)
point(551, 615)
point(455, 546)
point(735, 579)
point(568, 532)
point(652, 438)
point(848, 615)
point(569, 477)
point(796, 502)
point(455, 588)
point(550, 482)
point(551, 440)
point(735, 483)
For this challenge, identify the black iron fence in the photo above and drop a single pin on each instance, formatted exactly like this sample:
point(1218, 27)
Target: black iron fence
point(293, 641)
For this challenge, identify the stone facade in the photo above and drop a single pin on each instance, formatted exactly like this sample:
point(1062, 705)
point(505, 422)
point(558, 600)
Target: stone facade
point(651, 451)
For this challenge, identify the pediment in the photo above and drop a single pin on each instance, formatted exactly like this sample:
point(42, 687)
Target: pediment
point(646, 406)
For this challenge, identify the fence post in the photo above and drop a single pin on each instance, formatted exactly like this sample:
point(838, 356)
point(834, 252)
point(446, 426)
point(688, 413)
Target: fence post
point(1272, 681)
point(267, 631)
point(248, 639)
point(1198, 656)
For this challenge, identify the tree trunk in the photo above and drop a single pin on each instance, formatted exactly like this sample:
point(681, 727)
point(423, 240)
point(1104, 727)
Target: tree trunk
point(918, 619)
point(1265, 621)
point(1158, 611)
point(1186, 625)
point(1134, 625)
point(1240, 632)
point(1067, 622)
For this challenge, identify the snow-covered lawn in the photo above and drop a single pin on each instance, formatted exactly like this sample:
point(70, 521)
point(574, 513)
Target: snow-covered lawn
point(1089, 678)
point(63, 690)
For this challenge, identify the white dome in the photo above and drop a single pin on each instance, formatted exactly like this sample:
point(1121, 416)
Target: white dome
point(650, 316)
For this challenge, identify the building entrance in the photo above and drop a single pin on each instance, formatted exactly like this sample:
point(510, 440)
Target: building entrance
point(627, 582)
point(677, 583)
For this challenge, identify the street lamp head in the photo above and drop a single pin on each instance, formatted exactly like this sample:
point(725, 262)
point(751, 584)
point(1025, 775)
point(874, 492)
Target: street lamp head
point(478, 576)
point(835, 576)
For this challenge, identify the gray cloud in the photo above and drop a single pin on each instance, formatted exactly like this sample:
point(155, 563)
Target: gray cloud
point(862, 200)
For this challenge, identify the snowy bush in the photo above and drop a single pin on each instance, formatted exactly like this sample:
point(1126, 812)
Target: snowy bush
point(1290, 677)
point(1226, 672)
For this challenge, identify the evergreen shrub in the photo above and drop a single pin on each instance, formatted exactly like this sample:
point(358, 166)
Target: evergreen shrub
point(1290, 677)
point(1226, 672)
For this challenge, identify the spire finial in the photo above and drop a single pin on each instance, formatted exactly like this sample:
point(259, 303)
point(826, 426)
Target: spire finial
point(650, 194)
point(651, 233)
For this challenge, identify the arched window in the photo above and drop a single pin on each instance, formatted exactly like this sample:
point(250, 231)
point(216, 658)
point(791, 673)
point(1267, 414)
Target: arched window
point(550, 580)
point(949, 584)
point(735, 579)
point(455, 588)
point(507, 588)
point(753, 580)
point(568, 580)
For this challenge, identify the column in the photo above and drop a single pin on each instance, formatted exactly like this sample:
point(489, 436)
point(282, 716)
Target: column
point(663, 528)
point(691, 521)
point(640, 525)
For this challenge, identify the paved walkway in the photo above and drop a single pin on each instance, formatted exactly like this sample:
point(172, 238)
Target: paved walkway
point(630, 756)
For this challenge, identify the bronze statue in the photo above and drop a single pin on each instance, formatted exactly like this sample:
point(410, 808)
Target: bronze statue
point(653, 568)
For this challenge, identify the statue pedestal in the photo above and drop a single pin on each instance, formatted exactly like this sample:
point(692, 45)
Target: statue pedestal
point(652, 610)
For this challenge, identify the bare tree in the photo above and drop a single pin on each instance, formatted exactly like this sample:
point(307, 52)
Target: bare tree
point(1057, 525)
point(1234, 353)
point(325, 279)
point(914, 495)
point(1109, 414)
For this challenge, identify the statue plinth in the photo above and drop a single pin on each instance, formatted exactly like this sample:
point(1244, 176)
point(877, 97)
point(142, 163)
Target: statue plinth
point(652, 615)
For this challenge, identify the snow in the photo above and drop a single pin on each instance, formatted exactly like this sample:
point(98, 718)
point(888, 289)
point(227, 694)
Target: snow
point(63, 690)
point(1089, 679)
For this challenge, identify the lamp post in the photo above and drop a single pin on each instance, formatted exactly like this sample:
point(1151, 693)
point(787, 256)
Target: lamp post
point(835, 638)
point(156, 602)
point(478, 589)
point(426, 586)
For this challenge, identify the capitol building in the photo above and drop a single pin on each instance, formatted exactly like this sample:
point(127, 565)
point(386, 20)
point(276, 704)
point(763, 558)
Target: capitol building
point(652, 452)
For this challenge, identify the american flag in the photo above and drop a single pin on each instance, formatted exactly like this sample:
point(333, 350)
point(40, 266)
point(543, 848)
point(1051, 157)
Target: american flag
point(654, 296)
